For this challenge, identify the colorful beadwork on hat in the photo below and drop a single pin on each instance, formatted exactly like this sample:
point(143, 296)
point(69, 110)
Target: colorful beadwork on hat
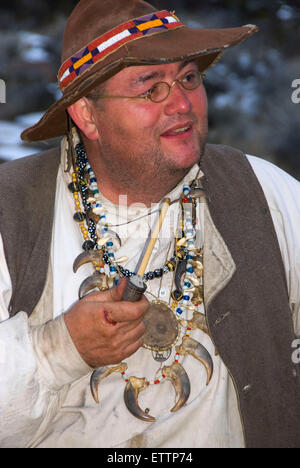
point(107, 43)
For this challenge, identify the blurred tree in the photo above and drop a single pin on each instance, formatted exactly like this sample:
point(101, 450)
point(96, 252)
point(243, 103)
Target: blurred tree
point(39, 13)
point(34, 13)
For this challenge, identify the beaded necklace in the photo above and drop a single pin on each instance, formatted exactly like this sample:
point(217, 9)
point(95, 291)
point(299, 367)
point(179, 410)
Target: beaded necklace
point(92, 220)
point(91, 217)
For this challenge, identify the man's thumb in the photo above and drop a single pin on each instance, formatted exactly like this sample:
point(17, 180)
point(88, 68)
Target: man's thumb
point(118, 291)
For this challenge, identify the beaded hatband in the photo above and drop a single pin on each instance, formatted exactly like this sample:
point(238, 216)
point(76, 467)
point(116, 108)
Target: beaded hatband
point(100, 48)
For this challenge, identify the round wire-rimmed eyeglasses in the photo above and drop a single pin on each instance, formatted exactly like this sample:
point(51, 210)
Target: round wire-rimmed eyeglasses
point(161, 90)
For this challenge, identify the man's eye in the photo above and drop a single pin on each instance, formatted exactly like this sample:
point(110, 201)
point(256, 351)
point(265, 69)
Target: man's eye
point(191, 77)
point(154, 92)
point(191, 80)
point(147, 93)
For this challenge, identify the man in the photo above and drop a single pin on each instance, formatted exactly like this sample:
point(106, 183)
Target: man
point(219, 317)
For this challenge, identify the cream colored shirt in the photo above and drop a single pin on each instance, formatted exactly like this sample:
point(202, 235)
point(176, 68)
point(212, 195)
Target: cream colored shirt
point(45, 400)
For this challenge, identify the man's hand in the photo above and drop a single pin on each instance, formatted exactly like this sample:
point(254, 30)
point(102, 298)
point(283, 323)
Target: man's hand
point(105, 329)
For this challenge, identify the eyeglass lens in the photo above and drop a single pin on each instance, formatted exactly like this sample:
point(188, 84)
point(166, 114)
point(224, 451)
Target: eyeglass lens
point(161, 90)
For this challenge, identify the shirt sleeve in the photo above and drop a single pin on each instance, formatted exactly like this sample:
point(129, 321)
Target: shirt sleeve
point(5, 285)
point(37, 365)
point(283, 196)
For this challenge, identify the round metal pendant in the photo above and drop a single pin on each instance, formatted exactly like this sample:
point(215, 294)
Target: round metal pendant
point(161, 356)
point(162, 328)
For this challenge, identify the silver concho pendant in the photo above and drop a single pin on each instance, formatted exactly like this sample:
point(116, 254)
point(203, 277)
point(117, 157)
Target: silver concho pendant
point(162, 330)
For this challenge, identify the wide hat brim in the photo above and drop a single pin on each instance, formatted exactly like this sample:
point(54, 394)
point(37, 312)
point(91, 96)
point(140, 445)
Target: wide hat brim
point(203, 45)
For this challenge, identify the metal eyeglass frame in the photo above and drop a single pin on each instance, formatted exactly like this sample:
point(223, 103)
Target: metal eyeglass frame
point(148, 93)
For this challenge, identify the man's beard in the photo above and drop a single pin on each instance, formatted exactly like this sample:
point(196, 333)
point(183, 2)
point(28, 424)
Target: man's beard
point(145, 175)
point(141, 168)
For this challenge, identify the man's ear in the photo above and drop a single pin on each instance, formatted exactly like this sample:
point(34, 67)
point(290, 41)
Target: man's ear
point(81, 113)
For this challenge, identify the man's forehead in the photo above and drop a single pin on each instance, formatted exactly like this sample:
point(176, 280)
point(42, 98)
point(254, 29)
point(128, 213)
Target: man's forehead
point(137, 74)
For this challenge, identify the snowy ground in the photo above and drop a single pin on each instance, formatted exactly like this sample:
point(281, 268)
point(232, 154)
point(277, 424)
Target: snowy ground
point(11, 145)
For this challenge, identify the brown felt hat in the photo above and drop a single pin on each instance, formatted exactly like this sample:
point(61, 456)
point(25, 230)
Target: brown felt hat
point(104, 36)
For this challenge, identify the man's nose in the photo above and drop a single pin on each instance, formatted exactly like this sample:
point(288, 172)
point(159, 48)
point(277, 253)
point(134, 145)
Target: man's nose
point(177, 101)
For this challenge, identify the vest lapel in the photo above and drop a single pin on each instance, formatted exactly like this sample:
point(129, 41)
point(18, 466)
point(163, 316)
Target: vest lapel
point(219, 266)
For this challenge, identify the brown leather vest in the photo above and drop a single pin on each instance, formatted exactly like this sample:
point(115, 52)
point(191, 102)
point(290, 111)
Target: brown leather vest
point(249, 320)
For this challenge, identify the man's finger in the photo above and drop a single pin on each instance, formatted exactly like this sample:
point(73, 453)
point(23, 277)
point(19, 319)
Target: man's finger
point(117, 292)
point(133, 337)
point(114, 294)
point(125, 311)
